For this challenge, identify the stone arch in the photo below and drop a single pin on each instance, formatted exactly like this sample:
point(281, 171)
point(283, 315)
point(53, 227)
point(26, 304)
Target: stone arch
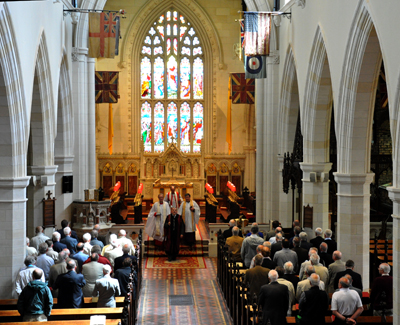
point(42, 128)
point(213, 57)
point(63, 146)
point(395, 129)
point(14, 120)
point(317, 105)
point(289, 105)
point(357, 94)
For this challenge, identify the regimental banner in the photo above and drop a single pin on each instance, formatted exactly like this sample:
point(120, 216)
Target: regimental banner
point(106, 87)
point(102, 34)
point(256, 33)
point(255, 67)
point(243, 90)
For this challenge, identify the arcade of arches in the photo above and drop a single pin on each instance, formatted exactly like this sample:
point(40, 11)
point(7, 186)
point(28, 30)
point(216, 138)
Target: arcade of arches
point(331, 98)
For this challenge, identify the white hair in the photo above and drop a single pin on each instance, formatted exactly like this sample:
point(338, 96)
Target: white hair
point(385, 268)
point(318, 231)
point(273, 275)
point(303, 236)
point(328, 233)
point(288, 266)
point(67, 230)
point(106, 269)
point(314, 258)
point(314, 279)
point(232, 222)
point(87, 237)
point(56, 236)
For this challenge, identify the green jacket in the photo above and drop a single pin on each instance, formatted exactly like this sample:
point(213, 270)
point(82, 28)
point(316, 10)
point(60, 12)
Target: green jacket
point(35, 299)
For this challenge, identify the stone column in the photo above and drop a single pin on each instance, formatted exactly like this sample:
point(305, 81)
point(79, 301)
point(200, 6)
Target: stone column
point(64, 200)
point(394, 194)
point(316, 191)
point(91, 63)
point(250, 165)
point(45, 181)
point(353, 226)
point(267, 97)
point(285, 200)
point(12, 235)
point(80, 104)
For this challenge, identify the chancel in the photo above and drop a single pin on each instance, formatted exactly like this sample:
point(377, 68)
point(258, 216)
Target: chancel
point(272, 119)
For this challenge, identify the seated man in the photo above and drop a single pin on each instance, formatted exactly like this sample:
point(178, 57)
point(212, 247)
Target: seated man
point(234, 244)
point(106, 288)
point(35, 301)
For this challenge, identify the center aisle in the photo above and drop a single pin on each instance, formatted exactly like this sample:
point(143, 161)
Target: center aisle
point(173, 294)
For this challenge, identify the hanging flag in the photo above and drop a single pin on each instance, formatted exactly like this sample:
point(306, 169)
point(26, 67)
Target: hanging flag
point(242, 89)
point(255, 67)
point(106, 86)
point(117, 34)
point(228, 118)
point(256, 33)
point(102, 32)
point(110, 129)
point(242, 42)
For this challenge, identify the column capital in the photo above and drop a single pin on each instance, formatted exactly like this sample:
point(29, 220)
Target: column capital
point(355, 179)
point(13, 190)
point(316, 172)
point(394, 195)
point(42, 170)
point(354, 185)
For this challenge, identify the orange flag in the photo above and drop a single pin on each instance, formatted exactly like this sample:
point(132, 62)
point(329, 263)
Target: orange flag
point(110, 128)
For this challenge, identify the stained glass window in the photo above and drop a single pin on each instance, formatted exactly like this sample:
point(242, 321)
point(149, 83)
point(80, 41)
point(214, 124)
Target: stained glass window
point(172, 93)
point(185, 78)
point(146, 77)
point(159, 127)
point(172, 84)
point(146, 126)
point(185, 127)
point(198, 78)
point(158, 78)
point(172, 122)
point(197, 126)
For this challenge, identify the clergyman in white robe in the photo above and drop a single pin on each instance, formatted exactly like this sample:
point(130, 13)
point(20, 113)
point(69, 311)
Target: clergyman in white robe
point(156, 219)
point(190, 212)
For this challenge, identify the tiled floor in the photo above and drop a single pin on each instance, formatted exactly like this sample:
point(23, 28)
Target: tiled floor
point(158, 284)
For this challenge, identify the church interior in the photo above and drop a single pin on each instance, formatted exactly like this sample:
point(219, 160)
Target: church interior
point(95, 138)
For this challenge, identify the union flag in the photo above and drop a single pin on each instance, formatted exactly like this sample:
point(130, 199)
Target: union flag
point(106, 87)
point(242, 89)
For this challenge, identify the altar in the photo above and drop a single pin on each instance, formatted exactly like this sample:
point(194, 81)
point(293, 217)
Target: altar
point(160, 186)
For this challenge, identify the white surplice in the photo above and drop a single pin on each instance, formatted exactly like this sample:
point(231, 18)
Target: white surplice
point(156, 219)
point(189, 226)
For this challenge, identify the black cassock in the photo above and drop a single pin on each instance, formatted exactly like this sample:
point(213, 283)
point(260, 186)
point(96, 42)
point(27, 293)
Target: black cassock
point(172, 235)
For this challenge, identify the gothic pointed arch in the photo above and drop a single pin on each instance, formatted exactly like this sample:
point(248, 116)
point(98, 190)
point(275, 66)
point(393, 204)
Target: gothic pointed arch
point(212, 52)
point(65, 133)
point(317, 105)
point(14, 120)
point(289, 104)
point(42, 122)
point(357, 92)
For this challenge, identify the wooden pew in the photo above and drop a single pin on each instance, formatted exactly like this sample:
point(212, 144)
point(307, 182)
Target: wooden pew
point(371, 320)
point(89, 302)
point(69, 322)
point(66, 314)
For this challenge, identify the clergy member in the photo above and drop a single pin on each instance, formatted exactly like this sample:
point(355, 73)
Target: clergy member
point(156, 218)
point(190, 212)
point(174, 228)
point(173, 198)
